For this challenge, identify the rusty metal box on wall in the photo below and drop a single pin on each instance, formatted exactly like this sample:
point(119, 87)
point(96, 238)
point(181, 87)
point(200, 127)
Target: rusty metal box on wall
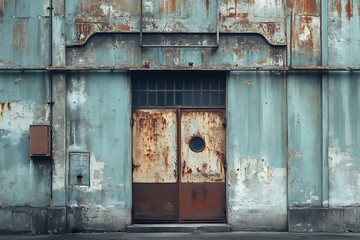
point(40, 141)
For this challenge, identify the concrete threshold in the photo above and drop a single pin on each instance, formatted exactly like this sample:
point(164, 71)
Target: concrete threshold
point(186, 228)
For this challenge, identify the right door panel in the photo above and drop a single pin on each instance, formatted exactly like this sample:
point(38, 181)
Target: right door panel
point(202, 166)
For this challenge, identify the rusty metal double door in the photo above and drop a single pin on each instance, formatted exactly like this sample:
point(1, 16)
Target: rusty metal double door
point(178, 165)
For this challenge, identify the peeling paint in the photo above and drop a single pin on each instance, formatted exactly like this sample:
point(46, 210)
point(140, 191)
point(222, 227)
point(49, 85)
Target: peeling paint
point(248, 174)
point(257, 193)
point(15, 120)
point(344, 178)
point(77, 95)
point(176, 16)
point(154, 146)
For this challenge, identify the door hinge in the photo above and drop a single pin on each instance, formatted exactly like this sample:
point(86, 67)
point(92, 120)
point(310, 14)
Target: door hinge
point(131, 121)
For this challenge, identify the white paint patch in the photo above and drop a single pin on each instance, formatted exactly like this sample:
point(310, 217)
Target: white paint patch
point(305, 34)
point(77, 95)
point(344, 179)
point(105, 8)
point(255, 184)
point(15, 120)
point(96, 173)
point(148, 6)
point(257, 189)
point(310, 197)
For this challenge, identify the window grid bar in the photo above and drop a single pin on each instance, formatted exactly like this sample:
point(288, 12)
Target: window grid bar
point(214, 88)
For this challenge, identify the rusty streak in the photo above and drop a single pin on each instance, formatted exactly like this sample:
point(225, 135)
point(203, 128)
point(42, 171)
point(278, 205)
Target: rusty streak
point(349, 9)
point(338, 7)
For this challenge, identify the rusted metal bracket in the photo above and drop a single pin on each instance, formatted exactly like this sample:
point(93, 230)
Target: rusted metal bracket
point(216, 45)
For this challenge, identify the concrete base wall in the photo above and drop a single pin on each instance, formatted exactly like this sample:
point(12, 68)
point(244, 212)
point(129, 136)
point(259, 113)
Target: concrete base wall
point(33, 220)
point(97, 218)
point(78, 219)
point(345, 219)
point(60, 220)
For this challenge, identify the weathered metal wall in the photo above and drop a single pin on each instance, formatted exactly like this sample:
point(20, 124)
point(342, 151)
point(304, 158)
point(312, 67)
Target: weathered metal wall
point(24, 27)
point(343, 23)
point(344, 155)
point(24, 181)
point(304, 139)
point(292, 136)
point(98, 122)
point(256, 150)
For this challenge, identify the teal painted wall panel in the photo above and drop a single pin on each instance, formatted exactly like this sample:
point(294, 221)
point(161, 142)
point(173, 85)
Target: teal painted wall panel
point(344, 139)
point(304, 139)
point(87, 17)
point(256, 150)
point(98, 110)
point(343, 33)
point(25, 31)
point(23, 101)
point(122, 50)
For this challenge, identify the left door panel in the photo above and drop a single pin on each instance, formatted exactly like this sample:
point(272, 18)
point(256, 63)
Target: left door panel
point(155, 168)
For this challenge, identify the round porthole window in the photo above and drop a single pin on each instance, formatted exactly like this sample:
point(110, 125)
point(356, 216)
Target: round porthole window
point(197, 144)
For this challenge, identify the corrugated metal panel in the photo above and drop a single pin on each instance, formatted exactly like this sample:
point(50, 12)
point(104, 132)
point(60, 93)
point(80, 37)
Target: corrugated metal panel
point(343, 33)
point(155, 146)
point(88, 17)
point(23, 101)
point(121, 50)
point(305, 138)
point(344, 139)
point(24, 28)
point(254, 16)
point(305, 32)
point(98, 122)
point(256, 150)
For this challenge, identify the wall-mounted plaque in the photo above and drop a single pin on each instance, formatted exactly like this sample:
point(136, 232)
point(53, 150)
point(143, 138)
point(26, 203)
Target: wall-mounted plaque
point(79, 168)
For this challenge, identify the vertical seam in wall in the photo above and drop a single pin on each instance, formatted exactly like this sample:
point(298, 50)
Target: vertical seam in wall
point(227, 175)
point(324, 105)
point(324, 32)
point(286, 143)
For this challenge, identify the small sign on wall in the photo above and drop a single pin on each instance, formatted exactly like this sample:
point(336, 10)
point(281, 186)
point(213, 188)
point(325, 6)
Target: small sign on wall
point(79, 168)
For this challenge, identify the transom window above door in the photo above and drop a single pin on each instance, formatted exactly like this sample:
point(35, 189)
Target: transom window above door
point(193, 89)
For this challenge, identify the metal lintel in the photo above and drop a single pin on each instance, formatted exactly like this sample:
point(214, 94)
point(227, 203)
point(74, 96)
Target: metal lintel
point(181, 45)
point(184, 68)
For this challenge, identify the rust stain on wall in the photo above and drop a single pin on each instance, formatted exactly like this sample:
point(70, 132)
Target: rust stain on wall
point(167, 6)
point(309, 7)
point(21, 35)
point(122, 28)
point(338, 7)
point(154, 146)
point(349, 9)
point(207, 4)
point(5, 106)
point(304, 35)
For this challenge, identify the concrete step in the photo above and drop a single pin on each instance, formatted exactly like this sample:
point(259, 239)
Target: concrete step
point(147, 228)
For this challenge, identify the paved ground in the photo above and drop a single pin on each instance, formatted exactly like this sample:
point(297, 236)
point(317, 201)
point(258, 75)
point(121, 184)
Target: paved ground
point(183, 236)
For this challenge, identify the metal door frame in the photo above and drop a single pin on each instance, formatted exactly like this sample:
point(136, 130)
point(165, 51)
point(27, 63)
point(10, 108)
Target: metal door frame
point(179, 110)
